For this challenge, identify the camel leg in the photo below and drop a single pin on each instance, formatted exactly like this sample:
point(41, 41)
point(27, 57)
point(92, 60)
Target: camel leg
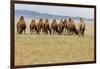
point(67, 32)
point(33, 31)
point(72, 32)
point(46, 31)
point(82, 33)
point(49, 30)
point(24, 31)
point(53, 31)
point(37, 32)
point(30, 31)
point(17, 30)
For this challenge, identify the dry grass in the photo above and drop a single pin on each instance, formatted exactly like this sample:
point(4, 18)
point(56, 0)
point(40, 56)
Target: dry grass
point(44, 49)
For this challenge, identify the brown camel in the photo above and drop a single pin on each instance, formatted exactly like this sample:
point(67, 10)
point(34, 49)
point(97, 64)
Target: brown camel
point(39, 26)
point(33, 26)
point(67, 25)
point(21, 26)
point(65, 22)
point(54, 26)
point(71, 26)
point(46, 27)
point(61, 27)
point(81, 27)
point(76, 29)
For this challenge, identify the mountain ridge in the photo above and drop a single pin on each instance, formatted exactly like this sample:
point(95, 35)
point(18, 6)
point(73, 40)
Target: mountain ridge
point(37, 15)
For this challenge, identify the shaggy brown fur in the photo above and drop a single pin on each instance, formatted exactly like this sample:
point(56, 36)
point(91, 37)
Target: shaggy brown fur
point(81, 27)
point(46, 27)
point(21, 26)
point(71, 26)
point(33, 27)
point(65, 22)
point(39, 26)
point(54, 26)
point(76, 29)
point(61, 26)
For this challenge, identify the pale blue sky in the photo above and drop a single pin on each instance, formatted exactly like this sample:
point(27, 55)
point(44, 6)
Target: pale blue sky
point(58, 10)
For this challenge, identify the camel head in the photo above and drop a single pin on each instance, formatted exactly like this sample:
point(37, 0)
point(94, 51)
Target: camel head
point(41, 19)
point(33, 20)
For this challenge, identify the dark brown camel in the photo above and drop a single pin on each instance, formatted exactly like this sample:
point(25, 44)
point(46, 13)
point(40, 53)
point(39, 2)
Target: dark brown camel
point(21, 26)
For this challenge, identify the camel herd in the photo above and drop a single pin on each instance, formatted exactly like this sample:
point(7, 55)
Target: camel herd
point(44, 26)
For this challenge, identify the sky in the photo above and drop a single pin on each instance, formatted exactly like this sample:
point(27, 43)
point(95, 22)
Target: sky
point(58, 10)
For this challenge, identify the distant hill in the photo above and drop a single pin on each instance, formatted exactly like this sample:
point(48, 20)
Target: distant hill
point(37, 15)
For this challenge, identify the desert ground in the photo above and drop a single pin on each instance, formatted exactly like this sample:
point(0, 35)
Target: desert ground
point(46, 49)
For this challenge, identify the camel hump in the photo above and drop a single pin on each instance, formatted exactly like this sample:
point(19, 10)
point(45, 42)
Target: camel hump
point(71, 20)
point(21, 18)
point(65, 21)
point(41, 19)
point(81, 19)
point(54, 21)
point(46, 20)
point(33, 20)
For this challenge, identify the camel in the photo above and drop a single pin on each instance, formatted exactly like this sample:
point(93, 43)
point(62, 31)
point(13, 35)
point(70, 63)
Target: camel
point(39, 26)
point(54, 26)
point(46, 27)
point(33, 26)
point(81, 26)
point(61, 27)
point(21, 26)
